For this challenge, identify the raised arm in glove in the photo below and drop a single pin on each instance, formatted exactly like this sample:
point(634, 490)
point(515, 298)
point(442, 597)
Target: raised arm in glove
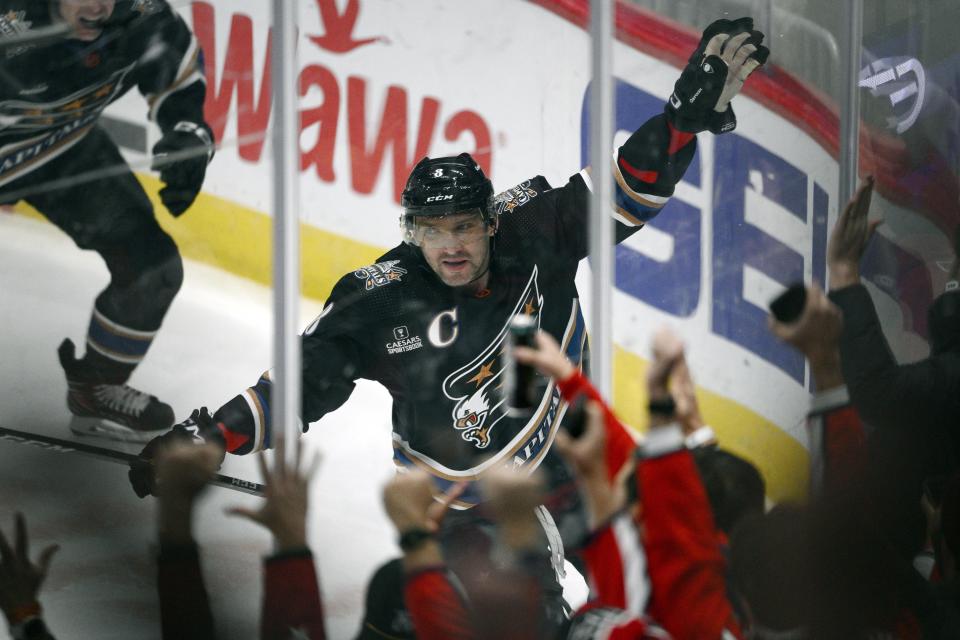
point(729, 51)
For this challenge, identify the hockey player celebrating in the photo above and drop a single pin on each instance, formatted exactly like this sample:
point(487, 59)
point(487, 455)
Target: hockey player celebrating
point(63, 62)
point(430, 319)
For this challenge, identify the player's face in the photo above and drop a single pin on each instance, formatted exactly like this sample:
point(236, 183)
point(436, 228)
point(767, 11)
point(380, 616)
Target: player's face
point(457, 247)
point(86, 17)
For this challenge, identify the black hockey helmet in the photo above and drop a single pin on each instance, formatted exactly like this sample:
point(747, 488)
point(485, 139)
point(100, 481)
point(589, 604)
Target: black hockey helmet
point(441, 186)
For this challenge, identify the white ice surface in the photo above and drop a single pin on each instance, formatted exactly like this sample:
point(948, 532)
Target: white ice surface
point(216, 340)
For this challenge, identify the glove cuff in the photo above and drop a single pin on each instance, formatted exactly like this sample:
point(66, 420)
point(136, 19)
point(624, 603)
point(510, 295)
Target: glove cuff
point(722, 121)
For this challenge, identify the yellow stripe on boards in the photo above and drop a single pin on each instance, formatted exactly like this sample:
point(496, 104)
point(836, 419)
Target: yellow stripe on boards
point(783, 462)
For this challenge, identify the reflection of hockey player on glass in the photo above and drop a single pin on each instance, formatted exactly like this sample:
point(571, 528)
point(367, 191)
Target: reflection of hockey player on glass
point(55, 156)
point(910, 115)
point(429, 320)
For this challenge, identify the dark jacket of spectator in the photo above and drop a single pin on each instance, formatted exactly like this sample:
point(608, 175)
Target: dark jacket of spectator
point(920, 399)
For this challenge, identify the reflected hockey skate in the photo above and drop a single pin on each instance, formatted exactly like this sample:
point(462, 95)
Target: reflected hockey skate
point(114, 411)
point(111, 429)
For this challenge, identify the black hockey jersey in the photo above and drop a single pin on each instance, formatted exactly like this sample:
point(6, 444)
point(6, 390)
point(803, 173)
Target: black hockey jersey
point(439, 351)
point(55, 88)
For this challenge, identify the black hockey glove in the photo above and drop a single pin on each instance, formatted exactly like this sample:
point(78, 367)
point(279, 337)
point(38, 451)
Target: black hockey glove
point(181, 157)
point(198, 429)
point(729, 51)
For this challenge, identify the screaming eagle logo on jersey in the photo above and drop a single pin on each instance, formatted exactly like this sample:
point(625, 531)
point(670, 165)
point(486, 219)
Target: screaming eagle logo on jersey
point(380, 274)
point(477, 388)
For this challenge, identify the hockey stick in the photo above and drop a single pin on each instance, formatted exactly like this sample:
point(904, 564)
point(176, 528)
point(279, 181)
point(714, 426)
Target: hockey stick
point(68, 446)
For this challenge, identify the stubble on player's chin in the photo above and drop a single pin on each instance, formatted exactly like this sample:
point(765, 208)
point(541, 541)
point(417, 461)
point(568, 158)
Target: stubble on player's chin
point(453, 280)
point(458, 283)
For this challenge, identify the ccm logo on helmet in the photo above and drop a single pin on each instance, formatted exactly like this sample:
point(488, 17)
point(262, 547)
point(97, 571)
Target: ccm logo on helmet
point(439, 198)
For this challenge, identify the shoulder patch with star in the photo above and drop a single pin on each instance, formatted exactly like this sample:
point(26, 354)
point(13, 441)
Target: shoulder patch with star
point(380, 274)
point(508, 200)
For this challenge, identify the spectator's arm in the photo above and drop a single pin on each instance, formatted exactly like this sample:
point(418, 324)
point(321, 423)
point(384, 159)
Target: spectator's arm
point(184, 471)
point(437, 606)
point(184, 604)
point(816, 334)
point(513, 498)
point(587, 457)
point(686, 567)
point(291, 597)
point(885, 393)
point(838, 448)
point(683, 552)
point(550, 361)
point(514, 590)
point(850, 237)
point(617, 566)
point(696, 432)
point(837, 436)
point(616, 562)
point(620, 443)
point(20, 582)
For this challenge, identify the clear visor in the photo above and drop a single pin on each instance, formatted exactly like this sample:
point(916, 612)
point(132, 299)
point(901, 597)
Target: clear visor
point(451, 230)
